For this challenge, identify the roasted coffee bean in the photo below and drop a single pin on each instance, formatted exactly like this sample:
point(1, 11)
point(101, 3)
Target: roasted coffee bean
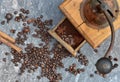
point(17, 18)
point(115, 65)
point(115, 59)
point(91, 75)
point(27, 11)
point(15, 12)
point(24, 24)
point(22, 10)
point(26, 30)
point(66, 69)
point(3, 22)
point(74, 65)
point(41, 16)
point(110, 57)
point(95, 50)
point(16, 81)
point(78, 70)
point(4, 59)
point(38, 77)
point(0, 43)
point(12, 31)
point(6, 53)
point(96, 72)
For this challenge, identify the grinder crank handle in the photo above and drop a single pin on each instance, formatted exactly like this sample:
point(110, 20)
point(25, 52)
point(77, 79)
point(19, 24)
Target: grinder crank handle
point(109, 16)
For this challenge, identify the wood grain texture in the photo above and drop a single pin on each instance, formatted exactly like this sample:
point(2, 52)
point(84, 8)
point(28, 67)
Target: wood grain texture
point(7, 37)
point(71, 8)
point(66, 45)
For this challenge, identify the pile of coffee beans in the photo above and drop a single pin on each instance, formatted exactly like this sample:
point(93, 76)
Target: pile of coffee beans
point(41, 56)
point(82, 59)
point(72, 69)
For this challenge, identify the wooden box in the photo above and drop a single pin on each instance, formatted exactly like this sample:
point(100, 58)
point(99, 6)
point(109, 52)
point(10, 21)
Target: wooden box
point(71, 9)
point(68, 36)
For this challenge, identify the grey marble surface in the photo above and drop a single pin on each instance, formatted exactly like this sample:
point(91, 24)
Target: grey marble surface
point(50, 10)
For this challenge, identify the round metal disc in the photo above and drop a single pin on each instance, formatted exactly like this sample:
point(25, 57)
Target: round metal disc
point(92, 17)
point(104, 65)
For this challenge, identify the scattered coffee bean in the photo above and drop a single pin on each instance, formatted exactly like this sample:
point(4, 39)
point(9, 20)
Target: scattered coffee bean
point(96, 72)
point(6, 53)
point(16, 81)
point(3, 22)
point(91, 75)
point(17, 19)
point(4, 59)
point(27, 11)
point(12, 31)
point(24, 24)
point(38, 77)
point(0, 43)
point(15, 12)
point(115, 65)
point(115, 59)
point(110, 57)
point(95, 50)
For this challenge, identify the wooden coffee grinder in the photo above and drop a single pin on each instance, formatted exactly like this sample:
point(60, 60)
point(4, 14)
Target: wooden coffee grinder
point(95, 20)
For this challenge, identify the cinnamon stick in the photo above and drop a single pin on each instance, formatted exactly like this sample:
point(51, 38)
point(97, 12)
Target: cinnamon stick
point(7, 37)
point(10, 44)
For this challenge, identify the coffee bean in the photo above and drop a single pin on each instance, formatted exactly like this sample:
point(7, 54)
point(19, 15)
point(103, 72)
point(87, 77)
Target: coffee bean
point(115, 65)
point(16, 81)
point(17, 18)
point(95, 50)
point(3, 22)
point(12, 31)
point(38, 77)
point(0, 43)
point(24, 24)
point(96, 72)
point(27, 11)
point(110, 57)
point(6, 53)
point(15, 12)
point(115, 59)
point(91, 75)
point(4, 59)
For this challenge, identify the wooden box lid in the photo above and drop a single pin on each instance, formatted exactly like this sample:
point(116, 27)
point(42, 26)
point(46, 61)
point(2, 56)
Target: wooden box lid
point(71, 9)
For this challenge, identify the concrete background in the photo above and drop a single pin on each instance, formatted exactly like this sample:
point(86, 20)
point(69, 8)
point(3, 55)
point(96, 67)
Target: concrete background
point(49, 9)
